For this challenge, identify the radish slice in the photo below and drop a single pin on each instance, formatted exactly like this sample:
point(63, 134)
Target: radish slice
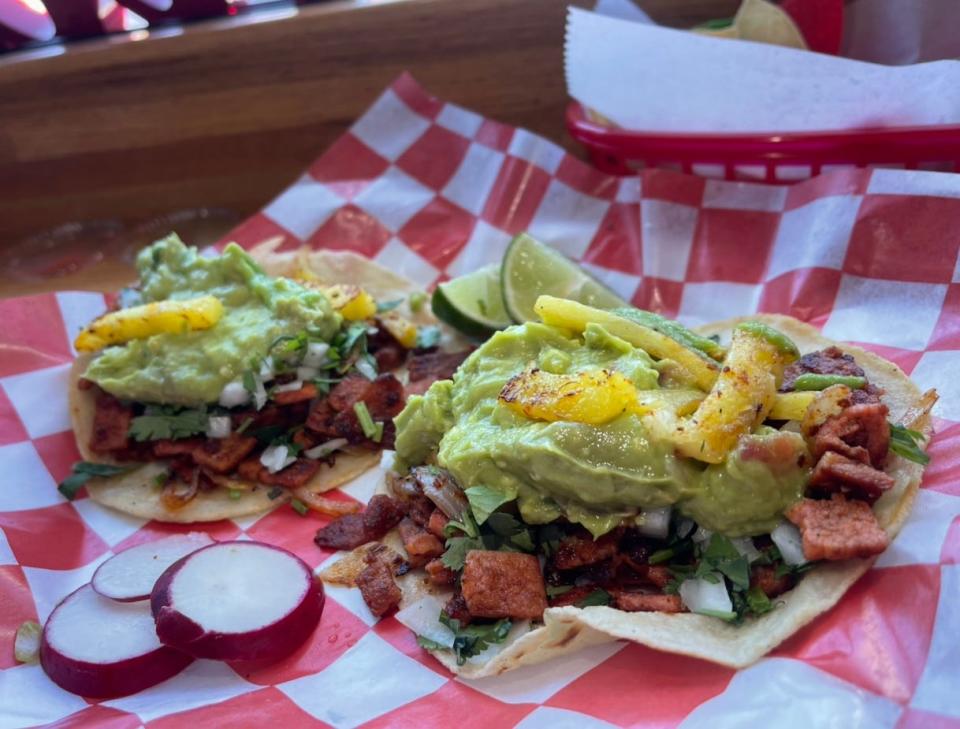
point(97, 647)
point(131, 574)
point(237, 601)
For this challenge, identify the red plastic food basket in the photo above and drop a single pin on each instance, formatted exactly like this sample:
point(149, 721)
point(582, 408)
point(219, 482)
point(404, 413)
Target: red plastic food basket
point(765, 157)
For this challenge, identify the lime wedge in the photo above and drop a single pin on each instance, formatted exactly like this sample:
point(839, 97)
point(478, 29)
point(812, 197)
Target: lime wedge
point(530, 269)
point(472, 304)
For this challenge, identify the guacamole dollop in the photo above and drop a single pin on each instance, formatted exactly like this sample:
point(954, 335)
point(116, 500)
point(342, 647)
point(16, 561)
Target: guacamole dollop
point(594, 475)
point(191, 368)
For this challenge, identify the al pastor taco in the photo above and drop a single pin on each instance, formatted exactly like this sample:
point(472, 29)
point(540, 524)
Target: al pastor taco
point(606, 475)
point(221, 386)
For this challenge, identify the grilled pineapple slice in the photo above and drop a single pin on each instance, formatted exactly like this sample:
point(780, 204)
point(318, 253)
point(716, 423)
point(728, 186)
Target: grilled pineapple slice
point(791, 405)
point(400, 328)
point(678, 402)
point(594, 397)
point(743, 395)
point(140, 322)
point(697, 369)
point(353, 303)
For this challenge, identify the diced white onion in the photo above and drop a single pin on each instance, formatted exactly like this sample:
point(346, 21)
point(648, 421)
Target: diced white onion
point(218, 426)
point(655, 522)
point(791, 426)
point(259, 394)
point(744, 545)
point(685, 526)
point(234, 394)
point(276, 458)
point(266, 369)
point(316, 354)
point(371, 331)
point(325, 449)
point(700, 595)
point(787, 538)
point(423, 618)
point(289, 387)
point(701, 535)
point(307, 373)
point(366, 369)
point(443, 491)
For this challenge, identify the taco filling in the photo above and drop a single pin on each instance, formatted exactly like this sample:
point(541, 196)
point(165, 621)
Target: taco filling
point(227, 380)
point(618, 459)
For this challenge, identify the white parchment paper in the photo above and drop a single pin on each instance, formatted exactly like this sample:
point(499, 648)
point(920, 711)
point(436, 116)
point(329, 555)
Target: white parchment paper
point(647, 77)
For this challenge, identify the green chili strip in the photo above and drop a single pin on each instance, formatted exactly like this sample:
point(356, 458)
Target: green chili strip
point(299, 507)
point(811, 381)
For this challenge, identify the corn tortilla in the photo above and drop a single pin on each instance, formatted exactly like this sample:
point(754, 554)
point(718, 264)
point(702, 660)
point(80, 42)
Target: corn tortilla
point(136, 493)
point(567, 629)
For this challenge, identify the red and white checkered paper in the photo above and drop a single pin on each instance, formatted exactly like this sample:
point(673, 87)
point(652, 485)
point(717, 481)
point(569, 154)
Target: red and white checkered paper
point(433, 190)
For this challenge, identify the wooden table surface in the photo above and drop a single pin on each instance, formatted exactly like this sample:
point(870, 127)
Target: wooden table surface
point(226, 113)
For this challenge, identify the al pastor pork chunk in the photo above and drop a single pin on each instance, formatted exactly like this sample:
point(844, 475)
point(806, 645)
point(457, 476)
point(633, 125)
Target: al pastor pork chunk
point(378, 588)
point(503, 585)
point(837, 529)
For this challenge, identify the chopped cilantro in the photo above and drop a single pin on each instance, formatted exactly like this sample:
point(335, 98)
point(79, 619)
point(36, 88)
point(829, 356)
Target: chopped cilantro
point(557, 590)
point(83, 471)
point(720, 548)
point(457, 547)
point(508, 533)
point(523, 541)
point(662, 555)
point(757, 601)
point(354, 335)
point(737, 571)
point(717, 560)
point(384, 306)
point(792, 569)
point(597, 597)
point(287, 344)
point(467, 525)
point(243, 426)
point(236, 494)
point(428, 337)
point(473, 639)
point(275, 493)
point(485, 500)
point(268, 434)
point(548, 537)
point(906, 444)
point(431, 645)
point(161, 422)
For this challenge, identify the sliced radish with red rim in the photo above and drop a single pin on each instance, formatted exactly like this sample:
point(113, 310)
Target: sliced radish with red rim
point(101, 648)
point(131, 574)
point(242, 601)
